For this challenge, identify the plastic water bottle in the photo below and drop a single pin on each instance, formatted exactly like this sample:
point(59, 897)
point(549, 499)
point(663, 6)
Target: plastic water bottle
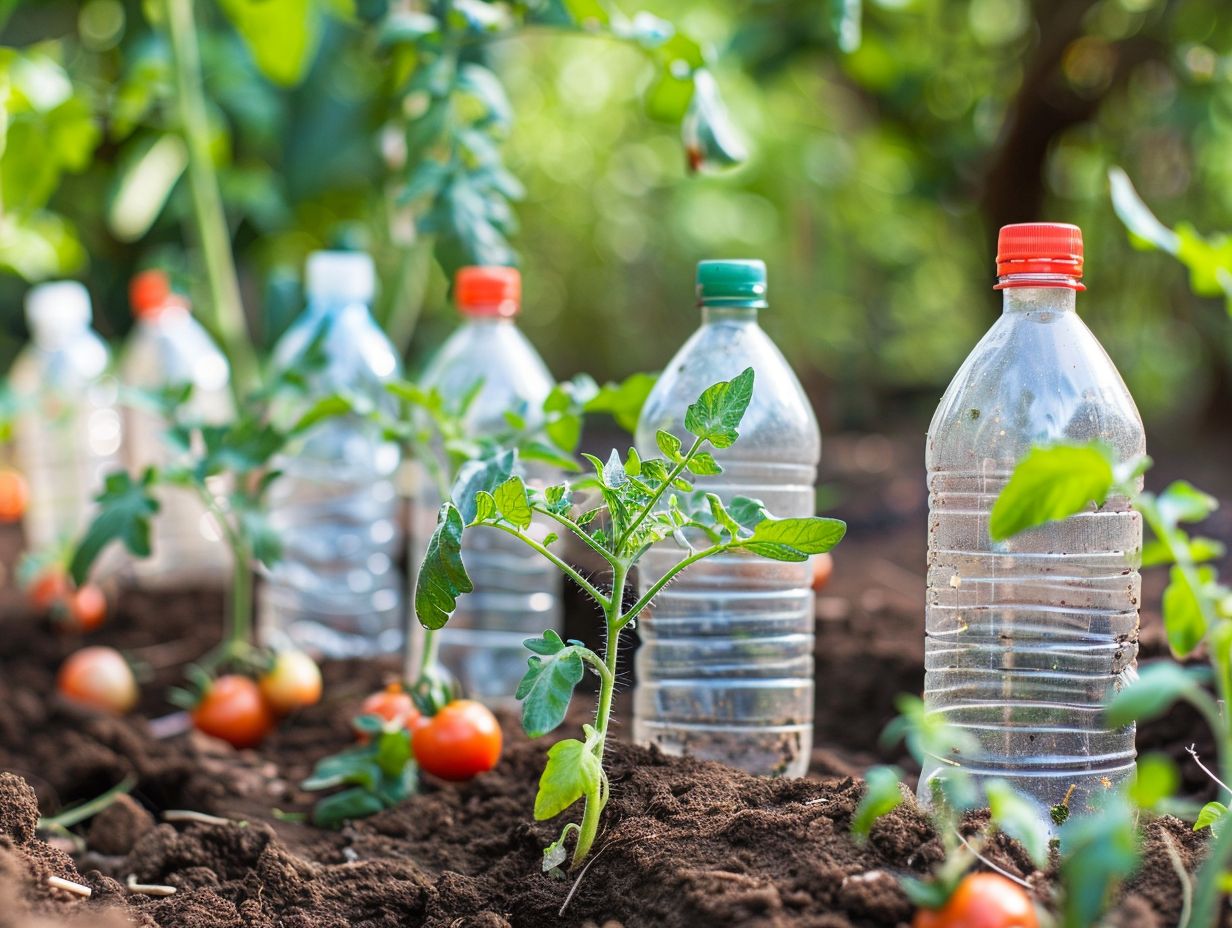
point(1029, 638)
point(725, 668)
point(68, 429)
point(336, 592)
point(169, 348)
point(517, 592)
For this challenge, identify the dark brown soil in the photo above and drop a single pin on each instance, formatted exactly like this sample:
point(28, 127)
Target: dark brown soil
point(683, 843)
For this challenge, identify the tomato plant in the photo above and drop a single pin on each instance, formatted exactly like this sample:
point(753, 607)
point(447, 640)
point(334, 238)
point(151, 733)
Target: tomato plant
point(100, 678)
point(233, 709)
point(461, 740)
point(982, 900)
point(293, 681)
point(635, 511)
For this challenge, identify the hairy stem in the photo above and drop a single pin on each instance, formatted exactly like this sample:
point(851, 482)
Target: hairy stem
point(636, 609)
point(564, 568)
point(580, 532)
point(224, 311)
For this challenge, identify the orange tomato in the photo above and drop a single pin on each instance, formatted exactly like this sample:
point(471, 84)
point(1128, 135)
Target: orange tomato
point(982, 900)
point(234, 710)
point(393, 704)
point(14, 495)
point(293, 682)
point(88, 607)
point(48, 588)
point(98, 677)
point(823, 567)
point(461, 740)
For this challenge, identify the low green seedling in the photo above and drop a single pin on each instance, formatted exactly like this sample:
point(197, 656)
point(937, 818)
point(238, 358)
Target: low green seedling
point(640, 503)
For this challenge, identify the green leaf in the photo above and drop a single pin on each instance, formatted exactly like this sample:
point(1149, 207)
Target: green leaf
point(148, 171)
point(1051, 483)
point(125, 509)
point(1200, 548)
point(794, 539)
point(572, 772)
point(553, 671)
point(512, 502)
point(485, 506)
point(703, 464)
point(1159, 685)
point(346, 806)
point(1211, 816)
point(721, 516)
point(623, 401)
point(407, 26)
point(1155, 780)
point(1019, 819)
point(281, 35)
point(1098, 850)
point(748, 512)
point(1182, 609)
point(707, 131)
point(483, 85)
point(442, 576)
point(393, 752)
point(1136, 216)
point(1182, 502)
point(322, 410)
point(669, 446)
point(263, 539)
point(485, 474)
point(882, 795)
point(718, 411)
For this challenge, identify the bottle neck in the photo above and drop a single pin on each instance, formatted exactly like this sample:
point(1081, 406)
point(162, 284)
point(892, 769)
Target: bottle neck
point(718, 312)
point(1019, 299)
point(487, 319)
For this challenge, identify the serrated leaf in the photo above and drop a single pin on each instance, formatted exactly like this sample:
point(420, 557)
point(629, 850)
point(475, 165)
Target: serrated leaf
point(1050, 484)
point(485, 474)
point(748, 512)
point(703, 464)
point(125, 508)
point(716, 415)
point(721, 516)
point(669, 445)
point(547, 687)
point(485, 506)
point(442, 576)
point(572, 772)
point(512, 502)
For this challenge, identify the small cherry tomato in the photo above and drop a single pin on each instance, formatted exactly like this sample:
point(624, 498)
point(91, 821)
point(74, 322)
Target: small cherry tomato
point(234, 710)
point(982, 900)
point(14, 494)
point(48, 588)
point(823, 567)
point(394, 704)
point(87, 608)
point(98, 677)
point(293, 682)
point(461, 740)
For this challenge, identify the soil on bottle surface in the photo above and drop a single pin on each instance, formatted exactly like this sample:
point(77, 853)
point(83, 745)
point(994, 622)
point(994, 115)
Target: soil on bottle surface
point(683, 843)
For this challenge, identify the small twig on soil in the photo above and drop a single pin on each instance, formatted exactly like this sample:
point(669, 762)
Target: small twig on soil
point(576, 883)
point(1182, 875)
point(168, 726)
point(147, 889)
point(1192, 752)
point(58, 882)
point(990, 865)
point(201, 818)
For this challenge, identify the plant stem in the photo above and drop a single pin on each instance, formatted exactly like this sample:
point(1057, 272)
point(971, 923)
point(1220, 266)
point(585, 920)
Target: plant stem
point(564, 568)
point(636, 609)
point(649, 507)
point(239, 634)
point(225, 311)
point(409, 291)
point(77, 814)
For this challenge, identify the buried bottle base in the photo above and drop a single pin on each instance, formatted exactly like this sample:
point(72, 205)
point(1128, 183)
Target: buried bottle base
point(762, 750)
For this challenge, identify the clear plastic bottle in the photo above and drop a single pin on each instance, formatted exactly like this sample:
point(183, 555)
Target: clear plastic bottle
point(68, 429)
point(336, 592)
point(169, 348)
point(517, 593)
point(1028, 639)
point(725, 667)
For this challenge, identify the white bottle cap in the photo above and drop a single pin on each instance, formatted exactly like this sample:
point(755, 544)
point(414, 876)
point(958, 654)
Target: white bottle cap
point(57, 309)
point(341, 275)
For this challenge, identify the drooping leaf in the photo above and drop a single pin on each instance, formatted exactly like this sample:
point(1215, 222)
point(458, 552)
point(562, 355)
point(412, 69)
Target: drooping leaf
point(882, 795)
point(554, 670)
point(1049, 484)
point(442, 576)
point(572, 772)
point(125, 508)
point(716, 415)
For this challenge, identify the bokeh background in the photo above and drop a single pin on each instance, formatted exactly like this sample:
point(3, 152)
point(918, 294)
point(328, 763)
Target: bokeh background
point(875, 182)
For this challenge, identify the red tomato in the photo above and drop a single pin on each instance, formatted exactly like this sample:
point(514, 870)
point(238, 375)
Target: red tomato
point(87, 607)
point(461, 740)
point(47, 589)
point(823, 567)
point(14, 494)
point(394, 704)
point(100, 678)
point(982, 900)
point(234, 710)
point(293, 682)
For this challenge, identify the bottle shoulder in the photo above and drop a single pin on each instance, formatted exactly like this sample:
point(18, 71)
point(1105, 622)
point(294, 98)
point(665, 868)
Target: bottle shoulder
point(1033, 379)
point(780, 423)
point(357, 353)
point(76, 362)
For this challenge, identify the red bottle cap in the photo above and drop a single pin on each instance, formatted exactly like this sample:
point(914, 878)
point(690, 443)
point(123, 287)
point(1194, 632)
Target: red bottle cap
point(1038, 253)
point(149, 292)
point(488, 291)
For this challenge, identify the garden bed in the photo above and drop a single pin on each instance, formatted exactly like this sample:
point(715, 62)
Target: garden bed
point(683, 843)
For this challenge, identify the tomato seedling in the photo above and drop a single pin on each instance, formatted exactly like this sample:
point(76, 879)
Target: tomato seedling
point(641, 503)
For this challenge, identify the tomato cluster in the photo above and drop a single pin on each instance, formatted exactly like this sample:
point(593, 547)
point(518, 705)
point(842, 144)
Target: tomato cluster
point(80, 609)
point(242, 711)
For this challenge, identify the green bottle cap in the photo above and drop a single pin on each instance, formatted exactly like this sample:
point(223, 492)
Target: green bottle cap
point(732, 283)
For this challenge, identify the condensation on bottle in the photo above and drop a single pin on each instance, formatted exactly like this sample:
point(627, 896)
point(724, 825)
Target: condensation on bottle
point(336, 592)
point(68, 429)
point(517, 592)
point(725, 667)
point(1028, 639)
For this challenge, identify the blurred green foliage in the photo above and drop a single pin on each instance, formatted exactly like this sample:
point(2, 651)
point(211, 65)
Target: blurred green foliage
point(886, 142)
